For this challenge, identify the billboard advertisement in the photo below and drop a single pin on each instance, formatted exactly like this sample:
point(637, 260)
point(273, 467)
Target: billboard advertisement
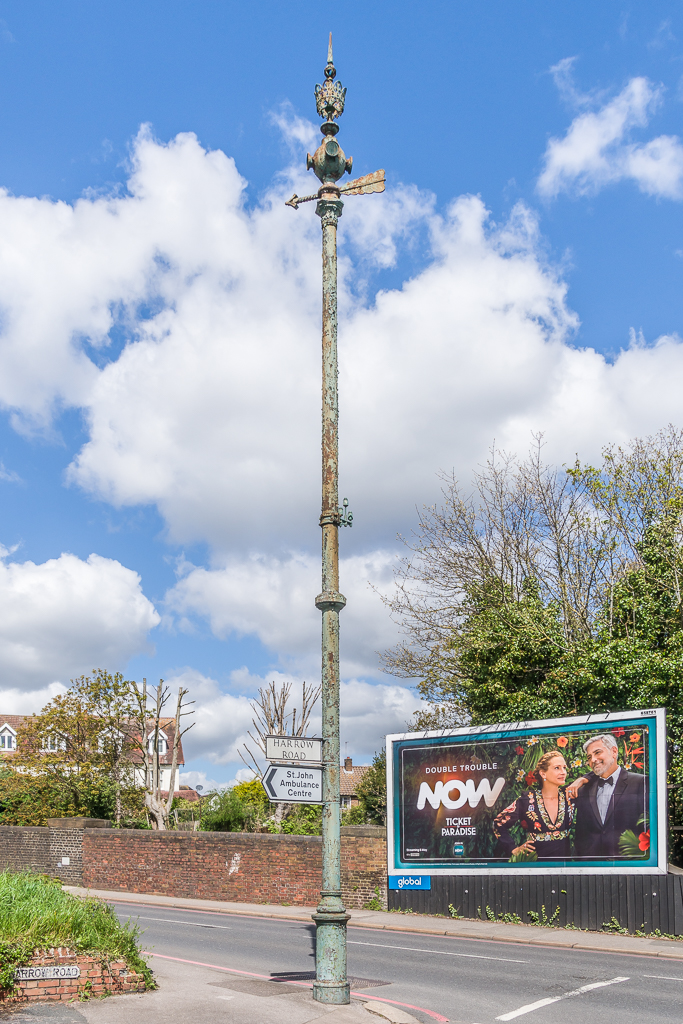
point(581, 795)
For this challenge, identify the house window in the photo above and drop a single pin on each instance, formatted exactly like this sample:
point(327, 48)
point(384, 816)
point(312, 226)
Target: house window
point(53, 743)
point(162, 745)
point(6, 741)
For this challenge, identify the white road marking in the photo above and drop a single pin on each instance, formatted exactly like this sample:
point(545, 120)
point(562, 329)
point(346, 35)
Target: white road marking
point(441, 952)
point(191, 924)
point(225, 997)
point(664, 977)
point(555, 999)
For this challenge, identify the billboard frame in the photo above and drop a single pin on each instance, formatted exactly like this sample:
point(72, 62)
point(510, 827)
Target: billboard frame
point(659, 791)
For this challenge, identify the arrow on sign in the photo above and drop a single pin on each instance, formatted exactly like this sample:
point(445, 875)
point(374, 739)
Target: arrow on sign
point(293, 785)
point(267, 781)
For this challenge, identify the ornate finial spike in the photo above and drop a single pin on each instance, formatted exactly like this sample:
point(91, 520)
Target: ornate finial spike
point(329, 97)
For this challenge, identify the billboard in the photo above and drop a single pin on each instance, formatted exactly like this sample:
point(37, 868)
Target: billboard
point(580, 795)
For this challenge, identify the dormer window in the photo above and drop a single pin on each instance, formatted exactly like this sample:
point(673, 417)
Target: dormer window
point(54, 742)
point(6, 741)
point(162, 745)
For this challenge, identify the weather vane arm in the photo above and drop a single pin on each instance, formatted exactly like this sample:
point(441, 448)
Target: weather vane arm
point(362, 186)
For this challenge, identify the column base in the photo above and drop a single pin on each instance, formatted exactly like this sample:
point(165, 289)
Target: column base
point(332, 993)
point(331, 985)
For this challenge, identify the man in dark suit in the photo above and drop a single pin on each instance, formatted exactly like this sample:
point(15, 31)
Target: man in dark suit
point(611, 802)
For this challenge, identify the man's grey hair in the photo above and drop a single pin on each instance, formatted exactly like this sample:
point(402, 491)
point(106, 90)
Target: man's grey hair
point(607, 738)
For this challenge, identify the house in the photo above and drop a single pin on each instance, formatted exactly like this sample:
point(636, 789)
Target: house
point(349, 777)
point(8, 731)
point(11, 724)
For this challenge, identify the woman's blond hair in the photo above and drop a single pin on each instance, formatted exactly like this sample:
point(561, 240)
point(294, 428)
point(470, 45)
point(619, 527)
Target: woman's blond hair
point(543, 762)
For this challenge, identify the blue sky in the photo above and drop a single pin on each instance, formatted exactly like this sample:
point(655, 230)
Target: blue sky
point(159, 314)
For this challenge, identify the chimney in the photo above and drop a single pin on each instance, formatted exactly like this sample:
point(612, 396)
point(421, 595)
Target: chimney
point(348, 764)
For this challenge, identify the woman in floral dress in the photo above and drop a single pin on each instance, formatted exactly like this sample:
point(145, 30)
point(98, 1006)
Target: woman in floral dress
point(545, 812)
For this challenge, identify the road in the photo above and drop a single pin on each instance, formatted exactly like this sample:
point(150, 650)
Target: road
point(466, 981)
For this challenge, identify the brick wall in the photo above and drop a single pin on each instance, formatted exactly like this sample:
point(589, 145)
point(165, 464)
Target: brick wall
point(99, 977)
point(52, 851)
point(23, 848)
point(241, 866)
point(66, 854)
point(237, 866)
point(364, 865)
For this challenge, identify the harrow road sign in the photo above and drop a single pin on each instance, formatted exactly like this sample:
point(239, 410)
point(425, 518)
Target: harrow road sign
point(294, 748)
point(295, 785)
point(43, 973)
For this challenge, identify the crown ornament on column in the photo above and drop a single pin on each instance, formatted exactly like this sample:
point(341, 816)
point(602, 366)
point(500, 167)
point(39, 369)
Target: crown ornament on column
point(330, 96)
point(329, 161)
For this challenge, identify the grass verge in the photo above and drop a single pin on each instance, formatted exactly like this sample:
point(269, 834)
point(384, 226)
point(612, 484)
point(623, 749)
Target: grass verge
point(36, 913)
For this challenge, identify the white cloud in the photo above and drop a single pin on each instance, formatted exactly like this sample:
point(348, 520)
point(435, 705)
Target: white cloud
point(273, 598)
point(208, 785)
point(597, 149)
point(563, 77)
point(15, 701)
point(211, 410)
point(221, 721)
point(64, 617)
point(367, 713)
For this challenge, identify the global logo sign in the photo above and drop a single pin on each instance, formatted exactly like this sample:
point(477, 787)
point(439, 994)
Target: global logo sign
point(410, 882)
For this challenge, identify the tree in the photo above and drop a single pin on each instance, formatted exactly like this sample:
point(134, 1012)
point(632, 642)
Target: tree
point(108, 700)
point(372, 790)
point(84, 748)
point(273, 718)
point(242, 808)
point(520, 574)
point(549, 592)
point(148, 707)
point(75, 749)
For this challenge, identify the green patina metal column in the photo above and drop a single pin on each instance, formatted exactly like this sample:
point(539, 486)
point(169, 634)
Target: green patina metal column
point(329, 164)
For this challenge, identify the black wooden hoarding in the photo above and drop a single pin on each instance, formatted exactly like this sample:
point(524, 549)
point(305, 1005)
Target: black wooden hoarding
point(644, 903)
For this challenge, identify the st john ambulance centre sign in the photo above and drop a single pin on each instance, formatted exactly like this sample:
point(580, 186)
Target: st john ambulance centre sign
point(297, 784)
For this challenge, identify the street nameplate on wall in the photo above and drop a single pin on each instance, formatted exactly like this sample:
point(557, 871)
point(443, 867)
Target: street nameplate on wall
point(295, 785)
point(42, 973)
point(294, 748)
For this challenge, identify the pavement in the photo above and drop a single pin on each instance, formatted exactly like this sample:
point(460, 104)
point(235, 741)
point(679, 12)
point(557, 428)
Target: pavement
point(200, 993)
point(560, 938)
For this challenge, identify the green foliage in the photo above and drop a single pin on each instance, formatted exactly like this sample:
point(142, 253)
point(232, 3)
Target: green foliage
point(372, 790)
point(355, 815)
point(32, 799)
point(74, 758)
point(36, 913)
point(376, 902)
point(240, 809)
point(512, 647)
point(556, 593)
point(542, 920)
point(302, 820)
point(12, 955)
point(613, 926)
